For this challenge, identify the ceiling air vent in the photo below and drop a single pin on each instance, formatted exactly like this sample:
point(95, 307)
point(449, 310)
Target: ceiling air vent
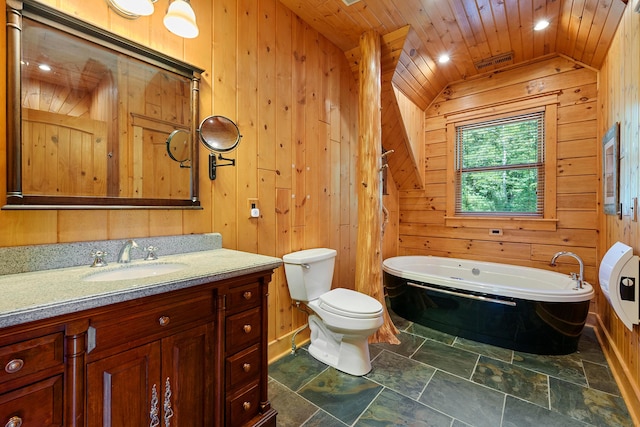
point(502, 59)
point(350, 2)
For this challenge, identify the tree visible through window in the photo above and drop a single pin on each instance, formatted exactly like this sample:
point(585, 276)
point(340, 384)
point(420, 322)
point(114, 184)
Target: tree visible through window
point(500, 166)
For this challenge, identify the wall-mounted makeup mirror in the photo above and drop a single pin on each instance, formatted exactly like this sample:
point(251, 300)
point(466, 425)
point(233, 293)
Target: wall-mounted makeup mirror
point(89, 114)
point(220, 135)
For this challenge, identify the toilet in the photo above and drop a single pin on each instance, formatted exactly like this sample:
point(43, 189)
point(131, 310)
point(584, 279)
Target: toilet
point(342, 319)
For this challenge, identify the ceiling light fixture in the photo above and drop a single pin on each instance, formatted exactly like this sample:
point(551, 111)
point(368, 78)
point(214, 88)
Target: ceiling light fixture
point(444, 58)
point(180, 18)
point(541, 25)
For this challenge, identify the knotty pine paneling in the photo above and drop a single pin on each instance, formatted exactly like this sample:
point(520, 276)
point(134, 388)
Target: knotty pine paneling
point(294, 98)
point(422, 227)
point(619, 101)
point(413, 122)
point(469, 32)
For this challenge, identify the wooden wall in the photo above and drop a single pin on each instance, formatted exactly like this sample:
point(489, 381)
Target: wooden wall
point(422, 227)
point(619, 101)
point(413, 121)
point(294, 99)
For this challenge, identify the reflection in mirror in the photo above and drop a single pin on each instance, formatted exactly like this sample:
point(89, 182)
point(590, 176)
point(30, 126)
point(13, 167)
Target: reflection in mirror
point(92, 120)
point(219, 134)
point(179, 147)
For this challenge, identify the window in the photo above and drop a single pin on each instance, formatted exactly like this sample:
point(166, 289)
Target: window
point(500, 166)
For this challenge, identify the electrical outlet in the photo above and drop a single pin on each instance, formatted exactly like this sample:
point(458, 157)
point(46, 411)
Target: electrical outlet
point(252, 202)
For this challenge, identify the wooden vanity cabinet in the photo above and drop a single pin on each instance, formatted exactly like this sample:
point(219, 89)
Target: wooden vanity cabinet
point(192, 357)
point(243, 350)
point(153, 359)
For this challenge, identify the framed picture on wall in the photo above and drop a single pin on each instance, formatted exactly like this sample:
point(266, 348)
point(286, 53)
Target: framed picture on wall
point(610, 170)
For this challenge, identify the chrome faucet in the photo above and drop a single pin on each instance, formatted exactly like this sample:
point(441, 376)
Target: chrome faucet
point(125, 252)
point(580, 277)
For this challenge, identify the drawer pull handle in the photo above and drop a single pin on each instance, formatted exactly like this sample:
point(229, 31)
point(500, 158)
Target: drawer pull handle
point(247, 329)
point(12, 367)
point(246, 367)
point(246, 406)
point(164, 320)
point(14, 422)
point(247, 295)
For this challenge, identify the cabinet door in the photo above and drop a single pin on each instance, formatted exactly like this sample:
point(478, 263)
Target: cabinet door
point(119, 387)
point(38, 404)
point(187, 365)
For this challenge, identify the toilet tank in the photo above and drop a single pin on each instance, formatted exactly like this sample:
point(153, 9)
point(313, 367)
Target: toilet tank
point(309, 272)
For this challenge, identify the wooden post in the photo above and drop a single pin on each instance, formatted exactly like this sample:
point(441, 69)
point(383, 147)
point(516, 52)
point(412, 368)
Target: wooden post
point(369, 242)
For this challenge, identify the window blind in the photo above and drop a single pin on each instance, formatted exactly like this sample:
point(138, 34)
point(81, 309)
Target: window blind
point(500, 166)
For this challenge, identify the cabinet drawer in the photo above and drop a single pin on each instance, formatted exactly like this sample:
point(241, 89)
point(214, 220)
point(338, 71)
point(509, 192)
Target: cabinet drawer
point(243, 297)
point(243, 367)
point(39, 404)
point(243, 329)
point(111, 332)
point(243, 407)
point(27, 357)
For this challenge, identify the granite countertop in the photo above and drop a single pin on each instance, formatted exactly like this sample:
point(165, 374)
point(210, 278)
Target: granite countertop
point(43, 294)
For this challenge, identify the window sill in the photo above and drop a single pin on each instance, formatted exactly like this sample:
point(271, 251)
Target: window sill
point(506, 223)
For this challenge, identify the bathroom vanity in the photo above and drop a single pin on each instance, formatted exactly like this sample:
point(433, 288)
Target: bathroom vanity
point(185, 348)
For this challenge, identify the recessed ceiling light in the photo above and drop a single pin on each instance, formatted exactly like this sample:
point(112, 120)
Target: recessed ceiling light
point(541, 25)
point(444, 58)
point(44, 67)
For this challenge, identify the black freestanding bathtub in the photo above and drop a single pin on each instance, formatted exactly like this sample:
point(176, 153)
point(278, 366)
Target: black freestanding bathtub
point(520, 308)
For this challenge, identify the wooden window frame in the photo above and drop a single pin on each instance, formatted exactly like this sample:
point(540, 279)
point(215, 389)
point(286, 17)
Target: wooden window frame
point(548, 222)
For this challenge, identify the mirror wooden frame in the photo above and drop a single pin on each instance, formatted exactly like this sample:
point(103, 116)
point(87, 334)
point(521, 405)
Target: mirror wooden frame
point(15, 11)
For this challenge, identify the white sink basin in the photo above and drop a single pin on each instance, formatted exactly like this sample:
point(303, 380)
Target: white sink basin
point(130, 272)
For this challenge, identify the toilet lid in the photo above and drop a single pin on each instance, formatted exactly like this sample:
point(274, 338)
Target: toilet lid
point(348, 303)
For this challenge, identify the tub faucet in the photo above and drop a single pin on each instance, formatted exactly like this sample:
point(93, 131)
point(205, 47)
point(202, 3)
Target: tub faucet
point(571, 254)
point(125, 252)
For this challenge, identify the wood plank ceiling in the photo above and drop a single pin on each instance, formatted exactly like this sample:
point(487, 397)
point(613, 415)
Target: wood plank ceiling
point(470, 32)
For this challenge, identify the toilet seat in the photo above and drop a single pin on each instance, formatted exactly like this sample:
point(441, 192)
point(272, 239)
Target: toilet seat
point(349, 303)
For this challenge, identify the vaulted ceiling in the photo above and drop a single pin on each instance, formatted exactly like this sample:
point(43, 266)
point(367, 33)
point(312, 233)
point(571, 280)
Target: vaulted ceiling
point(478, 35)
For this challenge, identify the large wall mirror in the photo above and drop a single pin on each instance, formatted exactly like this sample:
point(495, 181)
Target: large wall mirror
point(89, 115)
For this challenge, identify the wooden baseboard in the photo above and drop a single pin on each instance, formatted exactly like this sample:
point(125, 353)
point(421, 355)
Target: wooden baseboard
point(282, 346)
point(630, 391)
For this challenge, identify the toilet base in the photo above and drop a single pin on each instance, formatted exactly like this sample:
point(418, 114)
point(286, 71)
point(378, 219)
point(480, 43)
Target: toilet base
point(349, 354)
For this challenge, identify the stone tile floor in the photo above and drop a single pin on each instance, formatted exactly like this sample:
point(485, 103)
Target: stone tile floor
point(435, 379)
